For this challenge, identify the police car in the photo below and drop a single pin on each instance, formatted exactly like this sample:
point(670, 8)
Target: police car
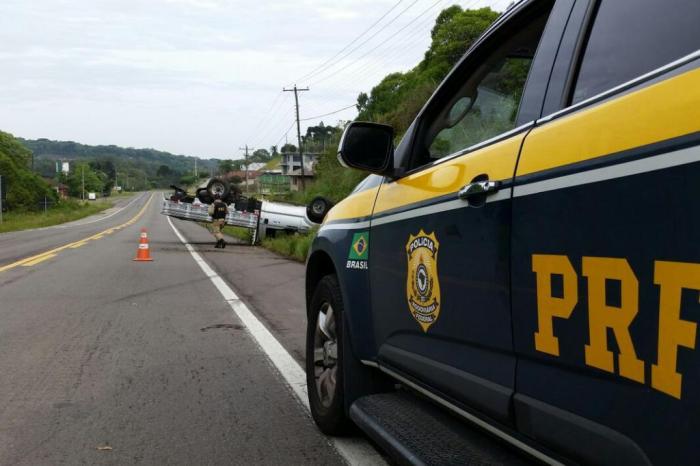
point(519, 277)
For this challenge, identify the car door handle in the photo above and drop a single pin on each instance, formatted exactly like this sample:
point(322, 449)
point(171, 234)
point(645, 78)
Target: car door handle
point(478, 189)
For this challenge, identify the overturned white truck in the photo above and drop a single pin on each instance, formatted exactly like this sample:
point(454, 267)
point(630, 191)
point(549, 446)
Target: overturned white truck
point(264, 218)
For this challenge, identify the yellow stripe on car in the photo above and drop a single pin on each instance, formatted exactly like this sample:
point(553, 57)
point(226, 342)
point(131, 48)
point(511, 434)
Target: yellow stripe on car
point(357, 205)
point(497, 161)
point(662, 111)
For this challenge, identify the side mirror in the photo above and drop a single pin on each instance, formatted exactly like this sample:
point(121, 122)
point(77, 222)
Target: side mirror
point(368, 146)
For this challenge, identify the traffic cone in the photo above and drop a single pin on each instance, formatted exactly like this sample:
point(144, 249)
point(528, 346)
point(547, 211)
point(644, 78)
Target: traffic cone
point(143, 253)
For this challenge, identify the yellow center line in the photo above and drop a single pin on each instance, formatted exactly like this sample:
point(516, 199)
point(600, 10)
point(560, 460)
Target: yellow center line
point(39, 259)
point(35, 259)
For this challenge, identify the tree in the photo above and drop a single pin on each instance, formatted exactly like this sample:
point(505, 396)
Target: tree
point(24, 189)
point(398, 98)
point(288, 148)
point(260, 155)
point(318, 136)
point(226, 166)
point(106, 171)
point(82, 173)
point(187, 180)
point(164, 171)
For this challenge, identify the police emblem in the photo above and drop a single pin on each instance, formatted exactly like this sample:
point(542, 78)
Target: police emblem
point(422, 283)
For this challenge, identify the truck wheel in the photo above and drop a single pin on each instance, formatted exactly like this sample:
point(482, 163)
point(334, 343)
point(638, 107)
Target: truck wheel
point(324, 355)
point(217, 186)
point(318, 208)
point(203, 196)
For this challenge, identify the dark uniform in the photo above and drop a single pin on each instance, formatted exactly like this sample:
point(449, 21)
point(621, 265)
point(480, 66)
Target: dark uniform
point(218, 211)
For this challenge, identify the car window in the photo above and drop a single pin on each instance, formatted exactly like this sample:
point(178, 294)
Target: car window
point(486, 103)
point(632, 37)
point(372, 181)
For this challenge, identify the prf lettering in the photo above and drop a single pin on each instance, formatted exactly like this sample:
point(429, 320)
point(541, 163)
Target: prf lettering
point(614, 321)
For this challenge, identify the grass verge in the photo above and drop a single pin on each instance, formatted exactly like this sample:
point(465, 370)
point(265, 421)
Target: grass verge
point(244, 234)
point(295, 246)
point(66, 211)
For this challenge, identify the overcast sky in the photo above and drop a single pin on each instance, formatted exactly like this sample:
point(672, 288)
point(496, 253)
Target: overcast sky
point(197, 77)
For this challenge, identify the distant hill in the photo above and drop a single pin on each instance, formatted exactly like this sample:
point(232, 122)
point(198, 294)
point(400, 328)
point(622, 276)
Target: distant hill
point(149, 161)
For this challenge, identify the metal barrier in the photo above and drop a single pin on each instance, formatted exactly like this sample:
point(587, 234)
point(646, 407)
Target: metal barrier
point(199, 213)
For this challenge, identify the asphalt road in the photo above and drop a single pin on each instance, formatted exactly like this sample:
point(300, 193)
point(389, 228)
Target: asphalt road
point(104, 360)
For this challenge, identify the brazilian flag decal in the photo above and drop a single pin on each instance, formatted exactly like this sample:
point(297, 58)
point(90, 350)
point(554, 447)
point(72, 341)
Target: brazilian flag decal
point(359, 246)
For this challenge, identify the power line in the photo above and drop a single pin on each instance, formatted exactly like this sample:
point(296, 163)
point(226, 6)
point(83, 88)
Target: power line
point(339, 60)
point(379, 45)
point(285, 133)
point(307, 75)
point(327, 114)
point(274, 124)
point(274, 102)
point(269, 117)
point(376, 63)
point(417, 30)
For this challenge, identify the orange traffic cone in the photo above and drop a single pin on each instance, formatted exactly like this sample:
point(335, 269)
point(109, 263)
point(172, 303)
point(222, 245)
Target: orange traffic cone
point(143, 253)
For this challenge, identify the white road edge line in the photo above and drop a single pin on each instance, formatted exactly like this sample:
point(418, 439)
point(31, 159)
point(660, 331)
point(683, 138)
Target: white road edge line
point(355, 451)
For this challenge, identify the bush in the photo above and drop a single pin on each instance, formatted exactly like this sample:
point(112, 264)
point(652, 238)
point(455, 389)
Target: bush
point(295, 245)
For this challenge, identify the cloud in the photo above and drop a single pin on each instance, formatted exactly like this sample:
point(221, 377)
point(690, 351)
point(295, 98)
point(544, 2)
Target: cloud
point(190, 76)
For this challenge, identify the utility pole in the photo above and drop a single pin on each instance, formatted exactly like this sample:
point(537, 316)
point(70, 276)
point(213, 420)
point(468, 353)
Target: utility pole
point(0, 198)
point(196, 177)
point(296, 91)
point(246, 149)
point(82, 171)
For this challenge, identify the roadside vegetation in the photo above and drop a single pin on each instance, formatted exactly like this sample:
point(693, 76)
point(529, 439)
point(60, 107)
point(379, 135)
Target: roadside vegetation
point(243, 234)
point(66, 211)
point(30, 201)
point(294, 245)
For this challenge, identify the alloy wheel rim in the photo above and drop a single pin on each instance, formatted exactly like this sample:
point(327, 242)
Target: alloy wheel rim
point(217, 188)
point(325, 355)
point(317, 207)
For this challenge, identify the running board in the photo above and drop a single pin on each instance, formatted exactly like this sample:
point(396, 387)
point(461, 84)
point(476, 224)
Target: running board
point(415, 432)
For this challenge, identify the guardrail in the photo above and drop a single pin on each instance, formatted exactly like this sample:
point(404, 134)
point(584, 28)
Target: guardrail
point(199, 213)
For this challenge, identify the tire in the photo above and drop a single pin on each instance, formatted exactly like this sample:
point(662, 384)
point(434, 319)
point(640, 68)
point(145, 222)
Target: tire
point(318, 208)
point(204, 197)
point(218, 186)
point(325, 374)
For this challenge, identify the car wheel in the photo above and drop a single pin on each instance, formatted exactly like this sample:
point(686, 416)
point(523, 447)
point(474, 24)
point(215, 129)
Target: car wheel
point(324, 355)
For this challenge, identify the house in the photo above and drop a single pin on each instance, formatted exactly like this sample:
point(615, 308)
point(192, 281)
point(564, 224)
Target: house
point(273, 182)
point(291, 166)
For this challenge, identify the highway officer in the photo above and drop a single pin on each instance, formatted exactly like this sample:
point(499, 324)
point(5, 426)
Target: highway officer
point(218, 211)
